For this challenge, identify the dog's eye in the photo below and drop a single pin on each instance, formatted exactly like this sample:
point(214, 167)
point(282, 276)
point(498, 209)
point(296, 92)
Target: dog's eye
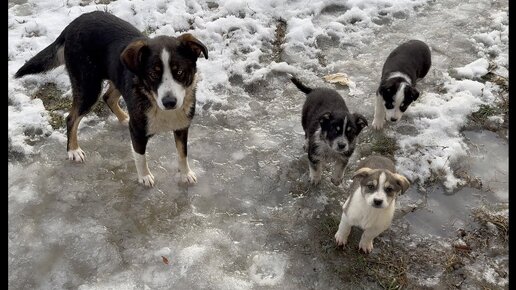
point(179, 72)
point(157, 68)
point(348, 129)
point(370, 186)
point(388, 190)
point(338, 128)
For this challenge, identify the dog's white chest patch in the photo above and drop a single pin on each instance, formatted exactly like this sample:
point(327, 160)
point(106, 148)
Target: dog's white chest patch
point(166, 120)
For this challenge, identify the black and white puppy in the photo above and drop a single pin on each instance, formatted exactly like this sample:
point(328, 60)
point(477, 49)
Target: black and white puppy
point(404, 66)
point(330, 130)
point(156, 77)
point(371, 203)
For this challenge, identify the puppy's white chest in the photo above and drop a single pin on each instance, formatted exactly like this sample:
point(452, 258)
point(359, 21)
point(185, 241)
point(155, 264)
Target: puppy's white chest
point(162, 121)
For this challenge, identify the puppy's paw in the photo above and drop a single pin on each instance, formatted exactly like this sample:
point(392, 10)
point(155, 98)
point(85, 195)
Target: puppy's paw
point(377, 125)
point(77, 155)
point(125, 122)
point(315, 180)
point(336, 181)
point(188, 178)
point(367, 247)
point(147, 180)
point(340, 239)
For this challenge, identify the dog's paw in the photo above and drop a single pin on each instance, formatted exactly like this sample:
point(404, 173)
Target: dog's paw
point(77, 155)
point(315, 180)
point(367, 247)
point(147, 180)
point(189, 178)
point(125, 122)
point(340, 239)
point(336, 181)
point(377, 125)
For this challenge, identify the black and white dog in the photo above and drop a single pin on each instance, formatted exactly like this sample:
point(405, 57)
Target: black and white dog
point(330, 130)
point(404, 66)
point(155, 76)
point(371, 204)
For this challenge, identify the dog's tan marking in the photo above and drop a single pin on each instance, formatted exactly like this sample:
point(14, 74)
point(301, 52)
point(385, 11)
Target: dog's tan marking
point(111, 98)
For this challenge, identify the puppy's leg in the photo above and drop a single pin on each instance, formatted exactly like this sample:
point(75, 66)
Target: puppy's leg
point(366, 241)
point(111, 98)
point(379, 113)
point(341, 237)
point(86, 92)
point(186, 174)
point(139, 142)
point(338, 173)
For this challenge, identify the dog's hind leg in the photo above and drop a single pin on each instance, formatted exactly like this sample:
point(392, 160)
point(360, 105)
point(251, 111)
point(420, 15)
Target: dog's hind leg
point(111, 97)
point(85, 95)
point(181, 139)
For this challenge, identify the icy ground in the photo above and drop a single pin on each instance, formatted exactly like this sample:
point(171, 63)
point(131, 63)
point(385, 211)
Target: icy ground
point(253, 221)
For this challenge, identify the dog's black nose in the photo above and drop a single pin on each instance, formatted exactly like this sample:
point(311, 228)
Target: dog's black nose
point(341, 146)
point(377, 202)
point(394, 119)
point(169, 102)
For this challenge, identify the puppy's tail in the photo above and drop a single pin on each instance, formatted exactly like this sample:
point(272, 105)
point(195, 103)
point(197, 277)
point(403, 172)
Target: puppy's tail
point(300, 86)
point(50, 57)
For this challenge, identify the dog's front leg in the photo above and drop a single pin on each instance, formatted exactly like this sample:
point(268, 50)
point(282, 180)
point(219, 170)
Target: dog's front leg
point(341, 237)
point(338, 172)
point(186, 174)
point(379, 113)
point(366, 241)
point(139, 142)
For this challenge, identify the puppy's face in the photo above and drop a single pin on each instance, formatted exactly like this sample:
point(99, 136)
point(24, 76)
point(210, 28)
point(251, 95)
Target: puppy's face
point(380, 187)
point(165, 65)
point(397, 96)
point(339, 131)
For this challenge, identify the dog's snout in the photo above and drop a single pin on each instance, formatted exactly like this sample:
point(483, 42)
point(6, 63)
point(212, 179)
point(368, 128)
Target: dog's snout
point(169, 102)
point(377, 202)
point(341, 146)
point(394, 119)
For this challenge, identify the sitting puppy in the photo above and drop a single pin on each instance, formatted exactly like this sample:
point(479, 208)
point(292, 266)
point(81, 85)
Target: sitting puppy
point(330, 130)
point(371, 203)
point(404, 66)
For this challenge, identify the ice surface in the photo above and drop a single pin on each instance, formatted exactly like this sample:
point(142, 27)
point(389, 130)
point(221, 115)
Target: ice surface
point(252, 221)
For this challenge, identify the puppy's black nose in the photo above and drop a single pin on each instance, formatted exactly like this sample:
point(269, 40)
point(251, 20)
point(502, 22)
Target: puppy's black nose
point(169, 102)
point(341, 146)
point(377, 202)
point(394, 119)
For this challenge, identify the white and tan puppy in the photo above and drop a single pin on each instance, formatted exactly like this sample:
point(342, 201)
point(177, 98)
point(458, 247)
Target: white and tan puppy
point(372, 201)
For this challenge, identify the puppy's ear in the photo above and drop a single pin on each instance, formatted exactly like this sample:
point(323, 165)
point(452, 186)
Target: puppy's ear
point(402, 181)
point(324, 120)
point(360, 122)
point(134, 55)
point(411, 91)
point(362, 172)
point(194, 45)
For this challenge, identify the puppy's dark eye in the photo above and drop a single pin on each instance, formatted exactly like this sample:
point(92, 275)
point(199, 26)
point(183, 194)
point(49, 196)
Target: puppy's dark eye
point(337, 128)
point(179, 72)
point(370, 186)
point(388, 189)
point(348, 129)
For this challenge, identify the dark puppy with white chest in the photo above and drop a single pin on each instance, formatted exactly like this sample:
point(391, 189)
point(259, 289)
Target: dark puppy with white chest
point(156, 77)
point(330, 130)
point(405, 65)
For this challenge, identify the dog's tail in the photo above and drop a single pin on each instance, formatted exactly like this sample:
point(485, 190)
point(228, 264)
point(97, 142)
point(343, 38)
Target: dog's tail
point(50, 57)
point(300, 86)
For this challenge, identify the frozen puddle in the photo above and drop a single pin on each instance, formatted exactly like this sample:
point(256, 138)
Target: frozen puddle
point(443, 213)
point(267, 268)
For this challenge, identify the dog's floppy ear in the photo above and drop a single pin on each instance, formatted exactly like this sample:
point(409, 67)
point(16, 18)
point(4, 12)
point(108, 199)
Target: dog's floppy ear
point(402, 181)
point(362, 172)
point(194, 45)
point(133, 55)
point(324, 119)
point(360, 122)
point(411, 91)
